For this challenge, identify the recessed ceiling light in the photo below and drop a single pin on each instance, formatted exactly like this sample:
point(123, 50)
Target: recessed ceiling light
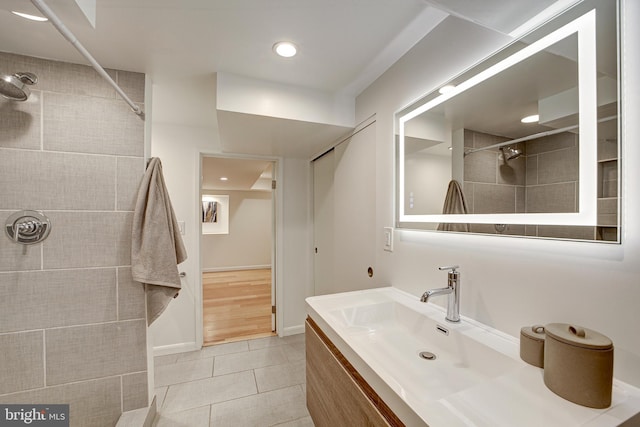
point(224, 178)
point(531, 119)
point(445, 89)
point(30, 17)
point(285, 49)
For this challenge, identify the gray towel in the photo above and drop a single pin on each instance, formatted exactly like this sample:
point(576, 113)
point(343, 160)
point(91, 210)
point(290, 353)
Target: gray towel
point(156, 244)
point(454, 203)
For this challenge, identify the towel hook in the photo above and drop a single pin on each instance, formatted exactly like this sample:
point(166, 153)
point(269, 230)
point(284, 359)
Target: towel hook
point(27, 227)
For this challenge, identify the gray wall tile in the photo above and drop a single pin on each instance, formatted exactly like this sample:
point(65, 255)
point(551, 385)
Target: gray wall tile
point(21, 352)
point(552, 198)
point(607, 149)
point(55, 76)
point(132, 84)
point(521, 199)
point(130, 172)
point(608, 212)
point(42, 299)
point(95, 351)
point(81, 116)
point(91, 403)
point(494, 198)
point(130, 296)
point(566, 232)
point(91, 125)
point(468, 138)
point(20, 123)
point(88, 239)
point(558, 166)
point(552, 142)
point(134, 391)
point(468, 190)
point(40, 180)
point(515, 230)
point(482, 228)
point(481, 140)
point(481, 167)
point(608, 179)
point(531, 175)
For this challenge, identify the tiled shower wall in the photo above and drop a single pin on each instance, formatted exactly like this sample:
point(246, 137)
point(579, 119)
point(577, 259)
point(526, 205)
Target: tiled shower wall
point(72, 327)
point(544, 179)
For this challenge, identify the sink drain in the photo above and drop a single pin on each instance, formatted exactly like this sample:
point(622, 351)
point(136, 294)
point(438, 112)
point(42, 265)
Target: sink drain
point(427, 355)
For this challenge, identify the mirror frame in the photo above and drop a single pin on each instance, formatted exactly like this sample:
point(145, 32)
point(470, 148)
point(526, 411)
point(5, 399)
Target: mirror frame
point(585, 29)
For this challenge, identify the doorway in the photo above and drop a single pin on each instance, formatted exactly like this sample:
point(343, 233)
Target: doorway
point(237, 248)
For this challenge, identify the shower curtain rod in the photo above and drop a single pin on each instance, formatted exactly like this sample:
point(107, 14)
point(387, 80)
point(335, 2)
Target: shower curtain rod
point(46, 11)
point(534, 136)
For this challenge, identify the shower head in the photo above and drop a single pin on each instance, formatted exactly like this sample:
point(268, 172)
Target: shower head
point(15, 87)
point(510, 153)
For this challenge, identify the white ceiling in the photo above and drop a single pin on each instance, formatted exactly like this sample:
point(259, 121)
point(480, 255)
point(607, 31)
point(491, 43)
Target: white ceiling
point(341, 41)
point(168, 38)
point(344, 45)
point(241, 174)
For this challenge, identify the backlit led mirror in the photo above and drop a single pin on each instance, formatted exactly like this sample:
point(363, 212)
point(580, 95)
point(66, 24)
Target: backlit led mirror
point(469, 161)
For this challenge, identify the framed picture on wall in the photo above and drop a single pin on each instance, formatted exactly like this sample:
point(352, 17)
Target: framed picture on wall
point(215, 214)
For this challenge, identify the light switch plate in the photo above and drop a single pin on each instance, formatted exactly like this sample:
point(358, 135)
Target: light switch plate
point(181, 227)
point(388, 239)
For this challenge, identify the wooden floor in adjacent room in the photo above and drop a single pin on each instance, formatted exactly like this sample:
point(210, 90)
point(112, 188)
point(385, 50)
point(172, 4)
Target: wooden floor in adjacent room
point(237, 305)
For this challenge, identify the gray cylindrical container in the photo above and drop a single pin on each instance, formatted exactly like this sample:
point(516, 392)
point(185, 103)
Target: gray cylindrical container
point(532, 345)
point(578, 364)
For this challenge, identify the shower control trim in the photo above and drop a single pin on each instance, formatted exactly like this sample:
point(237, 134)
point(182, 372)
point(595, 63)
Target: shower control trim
point(27, 227)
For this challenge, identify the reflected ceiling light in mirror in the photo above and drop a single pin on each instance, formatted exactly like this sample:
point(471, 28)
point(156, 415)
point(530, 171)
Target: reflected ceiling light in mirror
point(285, 49)
point(584, 27)
point(29, 16)
point(445, 89)
point(224, 178)
point(535, 118)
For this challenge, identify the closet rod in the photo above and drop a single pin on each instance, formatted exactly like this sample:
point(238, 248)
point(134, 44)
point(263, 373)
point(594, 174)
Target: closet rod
point(534, 136)
point(46, 11)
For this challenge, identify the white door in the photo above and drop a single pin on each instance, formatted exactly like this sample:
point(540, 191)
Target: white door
point(355, 216)
point(323, 212)
point(344, 215)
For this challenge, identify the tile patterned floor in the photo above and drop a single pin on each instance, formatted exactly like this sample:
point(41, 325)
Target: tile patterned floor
point(258, 382)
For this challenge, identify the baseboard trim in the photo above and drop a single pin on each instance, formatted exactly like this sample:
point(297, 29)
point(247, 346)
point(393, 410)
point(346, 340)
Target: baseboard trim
point(293, 330)
point(235, 268)
point(184, 347)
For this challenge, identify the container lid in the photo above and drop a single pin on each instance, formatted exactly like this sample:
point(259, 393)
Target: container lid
point(578, 336)
point(535, 332)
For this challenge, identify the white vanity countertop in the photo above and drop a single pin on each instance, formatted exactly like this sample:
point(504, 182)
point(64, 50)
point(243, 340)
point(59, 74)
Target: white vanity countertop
point(509, 397)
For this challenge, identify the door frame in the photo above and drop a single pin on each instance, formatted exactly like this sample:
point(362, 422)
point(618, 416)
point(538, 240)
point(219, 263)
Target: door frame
point(276, 240)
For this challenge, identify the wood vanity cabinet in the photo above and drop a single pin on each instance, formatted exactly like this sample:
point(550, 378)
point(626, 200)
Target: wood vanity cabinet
point(336, 393)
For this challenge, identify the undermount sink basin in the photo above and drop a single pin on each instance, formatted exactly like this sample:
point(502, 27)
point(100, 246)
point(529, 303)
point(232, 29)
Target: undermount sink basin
point(476, 379)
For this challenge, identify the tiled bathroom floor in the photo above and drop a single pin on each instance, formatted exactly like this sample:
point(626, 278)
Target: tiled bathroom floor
point(258, 382)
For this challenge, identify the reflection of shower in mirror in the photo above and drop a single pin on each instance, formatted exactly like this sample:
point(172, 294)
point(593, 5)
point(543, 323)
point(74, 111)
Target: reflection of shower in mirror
point(510, 153)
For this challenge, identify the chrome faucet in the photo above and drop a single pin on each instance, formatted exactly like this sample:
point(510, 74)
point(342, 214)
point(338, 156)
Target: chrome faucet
point(452, 289)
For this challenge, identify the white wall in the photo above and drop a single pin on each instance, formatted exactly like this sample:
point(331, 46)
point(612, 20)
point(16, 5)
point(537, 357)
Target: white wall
point(249, 240)
point(509, 282)
point(297, 277)
point(427, 178)
point(178, 147)
point(178, 144)
point(262, 98)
